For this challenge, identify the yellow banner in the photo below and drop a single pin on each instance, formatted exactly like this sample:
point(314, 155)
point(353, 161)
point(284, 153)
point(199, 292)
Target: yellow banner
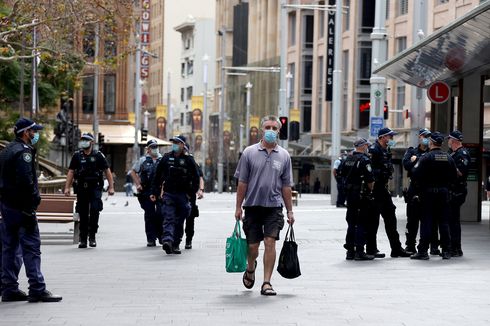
point(161, 111)
point(254, 121)
point(227, 125)
point(294, 115)
point(197, 105)
point(197, 102)
point(131, 118)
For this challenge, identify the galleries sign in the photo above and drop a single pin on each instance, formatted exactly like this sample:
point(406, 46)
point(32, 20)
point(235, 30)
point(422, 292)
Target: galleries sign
point(330, 52)
point(145, 38)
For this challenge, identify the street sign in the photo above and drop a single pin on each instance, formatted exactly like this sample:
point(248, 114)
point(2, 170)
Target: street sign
point(438, 92)
point(375, 125)
point(378, 93)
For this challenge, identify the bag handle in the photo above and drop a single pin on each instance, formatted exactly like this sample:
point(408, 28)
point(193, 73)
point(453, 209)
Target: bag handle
point(237, 231)
point(290, 233)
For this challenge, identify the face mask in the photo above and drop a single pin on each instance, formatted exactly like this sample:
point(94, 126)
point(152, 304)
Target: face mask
point(425, 141)
point(154, 151)
point(175, 148)
point(270, 136)
point(35, 139)
point(84, 144)
point(391, 143)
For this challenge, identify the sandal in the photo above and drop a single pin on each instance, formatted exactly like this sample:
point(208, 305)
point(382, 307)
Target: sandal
point(246, 279)
point(267, 291)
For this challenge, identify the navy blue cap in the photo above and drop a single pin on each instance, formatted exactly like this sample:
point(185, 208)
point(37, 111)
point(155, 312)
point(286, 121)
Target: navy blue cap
point(360, 142)
point(386, 131)
point(87, 136)
point(456, 134)
point(179, 139)
point(424, 132)
point(437, 138)
point(24, 124)
point(152, 143)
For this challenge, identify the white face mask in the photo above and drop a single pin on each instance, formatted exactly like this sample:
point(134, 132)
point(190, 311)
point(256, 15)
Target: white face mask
point(84, 144)
point(154, 151)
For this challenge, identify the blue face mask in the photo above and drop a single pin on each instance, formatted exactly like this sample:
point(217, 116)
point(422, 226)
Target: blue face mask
point(270, 136)
point(35, 139)
point(425, 141)
point(391, 143)
point(175, 148)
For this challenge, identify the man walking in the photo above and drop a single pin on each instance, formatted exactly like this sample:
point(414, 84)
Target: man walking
point(87, 167)
point(19, 200)
point(143, 172)
point(434, 172)
point(264, 175)
point(458, 189)
point(383, 204)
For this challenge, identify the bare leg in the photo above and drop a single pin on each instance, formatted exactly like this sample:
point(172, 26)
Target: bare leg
point(253, 253)
point(269, 258)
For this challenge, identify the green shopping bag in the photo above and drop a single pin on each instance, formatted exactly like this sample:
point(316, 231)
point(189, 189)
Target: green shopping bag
point(236, 251)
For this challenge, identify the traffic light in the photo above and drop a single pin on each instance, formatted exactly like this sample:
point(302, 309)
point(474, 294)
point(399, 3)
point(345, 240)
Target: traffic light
point(101, 139)
point(144, 135)
point(385, 111)
point(283, 133)
point(294, 130)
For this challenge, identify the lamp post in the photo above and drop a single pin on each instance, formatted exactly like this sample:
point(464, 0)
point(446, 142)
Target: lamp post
point(204, 155)
point(222, 33)
point(137, 98)
point(247, 117)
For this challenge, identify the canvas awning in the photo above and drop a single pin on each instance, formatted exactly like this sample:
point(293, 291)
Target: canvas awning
point(120, 134)
point(449, 54)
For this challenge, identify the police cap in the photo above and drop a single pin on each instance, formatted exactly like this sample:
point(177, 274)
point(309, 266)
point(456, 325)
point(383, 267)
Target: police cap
point(385, 132)
point(456, 134)
point(360, 142)
point(152, 143)
point(437, 138)
point(179, 139)
point(87, 136)
point(424, 132)
point(24, 124)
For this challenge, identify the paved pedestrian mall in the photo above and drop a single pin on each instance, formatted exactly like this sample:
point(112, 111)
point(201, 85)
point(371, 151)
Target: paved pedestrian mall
point(122, 282)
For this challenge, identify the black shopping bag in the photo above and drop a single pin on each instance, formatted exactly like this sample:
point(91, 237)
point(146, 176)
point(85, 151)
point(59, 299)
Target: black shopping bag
point(288, 265)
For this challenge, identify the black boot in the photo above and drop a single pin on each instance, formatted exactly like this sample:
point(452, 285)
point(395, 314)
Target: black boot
point(400, 252)
point(188, 243)
point(420, 256)
point(363, 256)
point(83, 242)
point(91, 241)
point(350, 255)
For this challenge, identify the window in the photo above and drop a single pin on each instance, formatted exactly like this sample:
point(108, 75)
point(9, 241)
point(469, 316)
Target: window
point(365, 63)
point(321, 23)
point(190, 67)
point(189, 93)
point(89, 42)
point(401, 44)
point(319, 116)
point(307, 75)
point(387, 10)
point(88, 94)
point(110, 41)
point(182, 69)
point(308, 31)
point(402, 7)
point(182, 94)
point(306, 118)
point(362, 104)
point(400, 103)
point(291, 69)
point(346, 16)
point(292, 29)
point(367, 15)
point(345, 79)
point(110, 94)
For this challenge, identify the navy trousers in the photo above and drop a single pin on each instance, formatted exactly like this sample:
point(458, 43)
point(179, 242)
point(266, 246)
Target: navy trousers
point(175, 209)
point(89, 205)
point(20, 233)
point(153, 218)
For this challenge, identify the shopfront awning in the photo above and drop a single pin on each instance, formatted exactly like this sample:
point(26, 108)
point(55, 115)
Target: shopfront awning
point(450, 53)
point(120, 134)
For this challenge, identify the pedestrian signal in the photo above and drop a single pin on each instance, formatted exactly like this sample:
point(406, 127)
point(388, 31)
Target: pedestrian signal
point(144, 135)
point(294, 130)
point(283, 133)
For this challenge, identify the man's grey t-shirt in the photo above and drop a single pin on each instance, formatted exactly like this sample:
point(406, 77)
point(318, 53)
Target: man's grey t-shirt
point(138, 163)
point(265, 175)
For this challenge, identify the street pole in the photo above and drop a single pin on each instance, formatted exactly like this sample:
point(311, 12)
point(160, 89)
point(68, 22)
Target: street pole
point(241, 137)
point(247, 117)
point(204, 155)
point(169, 127)
point(378, 83)
point(145, 121)
point(96, 89)
point(283, 110)
point(137, 96)
point(21, 90)
point(336, 96)
point(34, 72)
point(221, 111)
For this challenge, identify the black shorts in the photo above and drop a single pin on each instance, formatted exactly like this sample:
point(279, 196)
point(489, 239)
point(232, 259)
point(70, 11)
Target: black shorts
point(260, 222)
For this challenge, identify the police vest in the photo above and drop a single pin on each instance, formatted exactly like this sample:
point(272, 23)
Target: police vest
point(179, 174)
point(88, 175)
point(147, 171)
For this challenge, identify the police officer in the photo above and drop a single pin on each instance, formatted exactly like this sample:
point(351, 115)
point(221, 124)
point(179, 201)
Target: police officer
point(178, 176)
point(190, 220)
point(19, 200)
point(458, 189)
point(412, 196)
point(434, 172)
point(358, 176)
point(86, 168)
point(143, 172)
point(383, 205)
point(337, 173)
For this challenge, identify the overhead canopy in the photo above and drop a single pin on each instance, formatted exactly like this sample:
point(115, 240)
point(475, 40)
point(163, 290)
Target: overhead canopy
point(120, 134)
point(450, 53)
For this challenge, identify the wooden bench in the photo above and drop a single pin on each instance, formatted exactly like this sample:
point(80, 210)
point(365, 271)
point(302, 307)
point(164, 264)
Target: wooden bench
point(295, 196)
point(56, 208)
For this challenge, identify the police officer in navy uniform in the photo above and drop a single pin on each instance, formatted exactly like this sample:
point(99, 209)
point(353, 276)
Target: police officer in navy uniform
point(358, 187)
point(383, 205)
point(412, 195)
point(177, 177)
point(86, 168)
point(143, 172)
point(434, 172)
point(462, 158)
point(19, 200)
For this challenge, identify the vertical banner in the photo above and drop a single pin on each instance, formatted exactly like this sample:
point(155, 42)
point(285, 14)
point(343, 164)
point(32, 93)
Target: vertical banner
point(131, 118)
point(330, 52)
point(294, 115)
point(145, 38)
point(197, 106)
point(161, 114)
point(254, 130)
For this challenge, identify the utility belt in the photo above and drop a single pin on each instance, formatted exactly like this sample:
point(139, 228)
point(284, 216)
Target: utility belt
point(435, 190)
point(87, 184)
